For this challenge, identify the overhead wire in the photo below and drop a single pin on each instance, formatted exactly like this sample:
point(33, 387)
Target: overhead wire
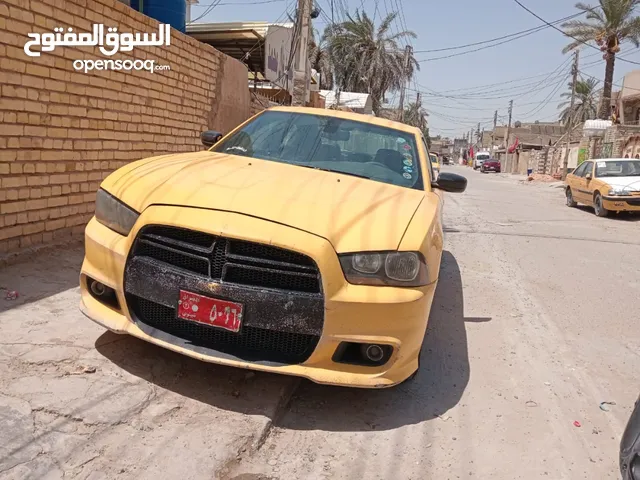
point(206, 12)
point(503, 37)
point(566, 34)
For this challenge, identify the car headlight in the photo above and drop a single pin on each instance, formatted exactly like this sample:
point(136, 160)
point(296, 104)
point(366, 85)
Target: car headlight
point(620, 191)
point(114, 214)
point(400, 269)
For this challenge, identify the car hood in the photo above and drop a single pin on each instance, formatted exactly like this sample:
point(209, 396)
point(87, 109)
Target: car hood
point(633, 183)
point(352, 213)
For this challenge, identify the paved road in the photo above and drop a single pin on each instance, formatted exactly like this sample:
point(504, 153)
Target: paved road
point(535, 323)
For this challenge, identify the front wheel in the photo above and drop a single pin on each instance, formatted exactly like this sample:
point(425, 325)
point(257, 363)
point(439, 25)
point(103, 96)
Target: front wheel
point(599, 207)
point(570, 201)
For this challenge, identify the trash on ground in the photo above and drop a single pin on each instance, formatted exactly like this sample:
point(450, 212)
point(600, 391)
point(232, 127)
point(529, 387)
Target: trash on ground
point(577, 424)
point(531, 403)
point(11, 295)
point(81, 370)
point(604, 406)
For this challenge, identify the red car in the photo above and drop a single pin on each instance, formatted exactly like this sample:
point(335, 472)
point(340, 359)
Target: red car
point(491, 165)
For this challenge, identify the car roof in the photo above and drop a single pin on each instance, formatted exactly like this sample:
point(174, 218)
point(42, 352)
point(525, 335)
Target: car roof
point(613, 159)
point(356, 117)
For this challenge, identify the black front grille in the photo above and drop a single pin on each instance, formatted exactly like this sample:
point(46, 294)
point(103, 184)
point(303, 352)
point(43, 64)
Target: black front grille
point(229, 260)
point(634, 202)
point(250, 344)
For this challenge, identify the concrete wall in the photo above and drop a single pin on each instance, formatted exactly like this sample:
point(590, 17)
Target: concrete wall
point(62, 131)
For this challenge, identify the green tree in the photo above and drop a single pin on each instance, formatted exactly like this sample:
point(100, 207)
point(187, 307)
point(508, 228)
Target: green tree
point(608, 24)
point(369, 59)
point(321, 61)
point(414, 115)
point(586, 102)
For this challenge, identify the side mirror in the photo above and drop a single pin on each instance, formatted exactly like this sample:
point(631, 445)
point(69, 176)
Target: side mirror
point(450, 182)
point(210, 138)
point(588, 176)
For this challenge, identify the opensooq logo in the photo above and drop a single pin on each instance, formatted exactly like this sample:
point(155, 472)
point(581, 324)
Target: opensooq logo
point(110, 43)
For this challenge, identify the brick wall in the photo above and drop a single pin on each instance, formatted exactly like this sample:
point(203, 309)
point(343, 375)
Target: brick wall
point(62, 131)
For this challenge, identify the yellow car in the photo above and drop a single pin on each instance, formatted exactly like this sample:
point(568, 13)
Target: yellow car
point(435, 162)
point(607, 185)
point(305, 242)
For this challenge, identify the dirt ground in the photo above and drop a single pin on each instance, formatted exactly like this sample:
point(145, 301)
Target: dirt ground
point(535, 323)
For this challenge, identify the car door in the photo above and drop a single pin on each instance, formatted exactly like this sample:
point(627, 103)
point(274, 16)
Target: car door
point(573, 181)
point(580, 191)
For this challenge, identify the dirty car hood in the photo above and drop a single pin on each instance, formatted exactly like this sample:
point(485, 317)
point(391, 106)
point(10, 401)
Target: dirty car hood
point(354, 214)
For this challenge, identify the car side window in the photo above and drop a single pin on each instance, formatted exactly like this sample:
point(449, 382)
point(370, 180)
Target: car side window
point(578, 171)
point(429, 165)
point(588, 167)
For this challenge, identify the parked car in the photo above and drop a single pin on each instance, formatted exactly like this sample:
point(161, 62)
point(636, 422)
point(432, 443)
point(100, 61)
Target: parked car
point(490, 165)
point(630, 447)
point(435, 163)
point(607, 185)
point(305, 242)
point(480, 159)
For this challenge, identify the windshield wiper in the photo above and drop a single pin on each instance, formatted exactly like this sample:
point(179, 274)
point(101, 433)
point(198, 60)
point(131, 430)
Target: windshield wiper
point(332, 171)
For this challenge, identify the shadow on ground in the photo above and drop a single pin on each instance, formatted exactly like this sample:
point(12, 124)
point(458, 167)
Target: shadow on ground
point(441, 380)
point(622, 216)
point(438, 386)
point(42, 275)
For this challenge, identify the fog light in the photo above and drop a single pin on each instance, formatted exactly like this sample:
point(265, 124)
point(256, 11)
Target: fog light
point(102, 293)
point(97, 288)
point(373, 353)
point(365, 354)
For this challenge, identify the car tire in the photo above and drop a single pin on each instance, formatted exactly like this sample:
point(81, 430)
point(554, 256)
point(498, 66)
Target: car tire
point(599, 209)
point(570, 201)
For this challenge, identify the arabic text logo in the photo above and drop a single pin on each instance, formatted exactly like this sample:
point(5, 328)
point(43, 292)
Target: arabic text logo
point(109, 44)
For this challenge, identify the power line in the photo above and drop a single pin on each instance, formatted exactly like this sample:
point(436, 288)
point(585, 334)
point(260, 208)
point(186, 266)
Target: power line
point(570, 36)
point(206, 12)
point(529, 30)
point(534, 111)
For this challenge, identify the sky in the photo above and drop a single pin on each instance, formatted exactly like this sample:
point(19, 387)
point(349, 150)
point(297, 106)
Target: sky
point(460, 91)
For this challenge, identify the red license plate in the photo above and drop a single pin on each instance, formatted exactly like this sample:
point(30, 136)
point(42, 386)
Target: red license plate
point(210, 311)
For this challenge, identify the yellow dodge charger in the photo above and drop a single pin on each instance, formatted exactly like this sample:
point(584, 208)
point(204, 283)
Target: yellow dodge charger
point(305, 242)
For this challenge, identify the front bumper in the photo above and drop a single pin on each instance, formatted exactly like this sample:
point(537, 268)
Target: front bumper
point(622, 204)
point(383, 315)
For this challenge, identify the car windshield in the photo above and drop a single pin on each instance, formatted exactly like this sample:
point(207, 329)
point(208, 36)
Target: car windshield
point(620, 168)
point(483, 157)
point(434, 159)
point(329, 143)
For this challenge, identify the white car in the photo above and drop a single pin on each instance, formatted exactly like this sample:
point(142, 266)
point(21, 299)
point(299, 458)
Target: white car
point(479, 160)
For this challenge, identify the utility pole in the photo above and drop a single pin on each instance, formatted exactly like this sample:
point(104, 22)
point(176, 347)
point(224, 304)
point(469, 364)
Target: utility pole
point(407, 54)
point(302, 73)
point(565, 162)
point(419, 102)
point(478, 136)
point(493, 133)
point(509, 126)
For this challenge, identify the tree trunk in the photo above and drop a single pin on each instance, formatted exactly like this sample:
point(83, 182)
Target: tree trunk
point(605, 105)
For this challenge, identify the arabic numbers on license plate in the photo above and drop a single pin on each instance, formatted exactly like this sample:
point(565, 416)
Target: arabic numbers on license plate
point(210, 311)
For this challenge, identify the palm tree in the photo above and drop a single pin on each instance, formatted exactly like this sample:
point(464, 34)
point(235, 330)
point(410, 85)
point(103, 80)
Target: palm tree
point(367, 59)
point(321, 61)
point(608, 25)
point(414, 115)
point(586, 102)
